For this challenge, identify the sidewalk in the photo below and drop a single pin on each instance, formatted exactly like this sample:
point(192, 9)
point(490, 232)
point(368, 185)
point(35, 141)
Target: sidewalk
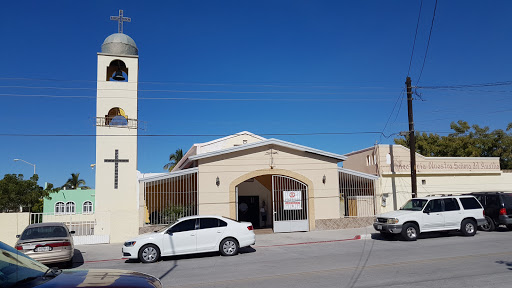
point(108, 252)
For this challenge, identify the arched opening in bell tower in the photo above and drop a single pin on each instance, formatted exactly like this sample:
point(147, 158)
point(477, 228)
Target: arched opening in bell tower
point(116, 117)
point(117, 71)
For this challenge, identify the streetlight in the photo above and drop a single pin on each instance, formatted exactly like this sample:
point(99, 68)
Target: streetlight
point(28, 164)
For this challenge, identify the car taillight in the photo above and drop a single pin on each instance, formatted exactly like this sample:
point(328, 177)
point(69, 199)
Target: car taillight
point(503, 211)
point(250, 228)
point(483, 212)
point(18, 247)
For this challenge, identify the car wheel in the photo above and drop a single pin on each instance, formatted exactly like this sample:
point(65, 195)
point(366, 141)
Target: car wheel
point(149, 253)
point(228, 247)
point(509, 226)
point(410, 232)
point(489, 226)
point(468, 227)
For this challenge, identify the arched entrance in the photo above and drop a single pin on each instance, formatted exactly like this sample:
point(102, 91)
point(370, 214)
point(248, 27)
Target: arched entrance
point(273, 201)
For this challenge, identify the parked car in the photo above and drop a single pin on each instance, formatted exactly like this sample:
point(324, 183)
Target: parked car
point(20, 271)
point(194, 234)
point(434, 213)
point(47, 243)
point(497, 207)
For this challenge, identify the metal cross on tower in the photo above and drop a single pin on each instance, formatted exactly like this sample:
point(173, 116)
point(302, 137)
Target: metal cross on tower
point(116, 160)
point(120, 19)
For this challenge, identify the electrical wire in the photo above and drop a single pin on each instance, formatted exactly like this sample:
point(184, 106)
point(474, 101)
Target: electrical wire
point(414, 42)
point(195, 99)
point(428, 44)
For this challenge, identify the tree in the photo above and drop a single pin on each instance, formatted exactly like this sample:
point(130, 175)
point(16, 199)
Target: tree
point(16, 192)
point(74, 182)
point(174, 158)
point(466, 141)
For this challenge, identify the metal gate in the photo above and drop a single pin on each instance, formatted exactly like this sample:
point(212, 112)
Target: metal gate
point(290, 204)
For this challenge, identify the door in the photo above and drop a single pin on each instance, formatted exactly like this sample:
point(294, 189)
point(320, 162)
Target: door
point(248, 210)
point(452, 214)
point(434, 219)
point(209, 234)
point(181, 238)
point(290, 204)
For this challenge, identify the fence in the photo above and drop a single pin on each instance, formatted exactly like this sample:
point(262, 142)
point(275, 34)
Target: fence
point(169, 197)
point(84, 225)
point(357, 193)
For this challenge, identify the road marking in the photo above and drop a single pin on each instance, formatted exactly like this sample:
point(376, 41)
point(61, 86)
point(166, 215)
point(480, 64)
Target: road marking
point(357, 237)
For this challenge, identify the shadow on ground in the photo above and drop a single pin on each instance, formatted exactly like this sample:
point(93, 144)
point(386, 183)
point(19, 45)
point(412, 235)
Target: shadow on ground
point(245, 250)
point(426, 235)
point(507, 263)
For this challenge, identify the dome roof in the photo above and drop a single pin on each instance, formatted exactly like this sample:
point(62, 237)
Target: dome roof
point(119, 44)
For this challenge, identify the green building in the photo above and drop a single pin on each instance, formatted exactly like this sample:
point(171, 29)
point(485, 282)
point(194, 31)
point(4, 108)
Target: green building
point(76, 201)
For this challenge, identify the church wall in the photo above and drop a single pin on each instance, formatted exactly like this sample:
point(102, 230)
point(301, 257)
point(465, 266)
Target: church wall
point(228, 168)
point(235, 140)
point(120, 204)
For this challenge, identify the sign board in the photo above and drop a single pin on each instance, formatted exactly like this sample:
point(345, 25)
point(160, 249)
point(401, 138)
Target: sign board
point(292, 200)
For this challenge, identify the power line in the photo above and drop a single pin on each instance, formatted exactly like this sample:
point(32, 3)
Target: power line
point(415, 34)
point(254, 84)
point(428, 43)
point(190, 135)
point(195, 99)
point(490, 84)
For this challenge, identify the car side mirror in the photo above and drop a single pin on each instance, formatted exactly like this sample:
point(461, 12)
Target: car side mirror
point(71, 232)
point(17, 236)
point(169, 232)
point(426, 210)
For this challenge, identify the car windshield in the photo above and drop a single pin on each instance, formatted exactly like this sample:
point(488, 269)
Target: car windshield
point(17, 268)
point(414, 205)
point(44, 232)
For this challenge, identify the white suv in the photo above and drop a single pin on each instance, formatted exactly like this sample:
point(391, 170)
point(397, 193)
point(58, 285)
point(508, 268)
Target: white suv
point(433, 213)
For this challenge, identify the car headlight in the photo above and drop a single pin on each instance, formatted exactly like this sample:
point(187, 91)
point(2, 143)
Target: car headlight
point(392, 221)
point(375, 219)
point(129, 243)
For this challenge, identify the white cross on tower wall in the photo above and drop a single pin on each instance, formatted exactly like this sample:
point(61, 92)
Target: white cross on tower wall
point(120, 19)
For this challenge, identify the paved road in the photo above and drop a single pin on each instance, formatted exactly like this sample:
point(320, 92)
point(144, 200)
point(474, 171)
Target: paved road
point(436, 260)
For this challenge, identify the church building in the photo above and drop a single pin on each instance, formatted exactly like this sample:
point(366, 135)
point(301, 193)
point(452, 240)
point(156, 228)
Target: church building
point(272, 183)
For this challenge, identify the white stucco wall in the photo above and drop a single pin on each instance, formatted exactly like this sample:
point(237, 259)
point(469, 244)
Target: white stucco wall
point(234, 168)
point(120, 204)
point(439, 184)
point(13, 224)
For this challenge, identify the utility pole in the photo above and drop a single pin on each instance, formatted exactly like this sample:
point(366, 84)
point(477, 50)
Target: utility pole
point(412, 139)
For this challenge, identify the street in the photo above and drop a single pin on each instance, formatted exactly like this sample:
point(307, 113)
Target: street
point(435, 260)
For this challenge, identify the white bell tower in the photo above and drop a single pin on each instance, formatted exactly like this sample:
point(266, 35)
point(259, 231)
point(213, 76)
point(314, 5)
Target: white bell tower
point(116, 137)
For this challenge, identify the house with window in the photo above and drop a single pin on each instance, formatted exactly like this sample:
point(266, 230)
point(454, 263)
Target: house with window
point(70, 202)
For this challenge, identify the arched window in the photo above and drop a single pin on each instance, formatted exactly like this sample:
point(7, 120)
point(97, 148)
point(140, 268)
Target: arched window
point(87, 207)
point(116, 117)
point(70, 207)
point(117, 71)
point(59, 208)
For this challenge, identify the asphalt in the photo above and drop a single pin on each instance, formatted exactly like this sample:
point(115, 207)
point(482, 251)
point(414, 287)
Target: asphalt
point(108, 252)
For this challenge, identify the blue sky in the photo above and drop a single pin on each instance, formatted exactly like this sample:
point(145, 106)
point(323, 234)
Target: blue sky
point(326, 66)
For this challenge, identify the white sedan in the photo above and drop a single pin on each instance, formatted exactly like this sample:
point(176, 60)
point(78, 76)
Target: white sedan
point(194, 234)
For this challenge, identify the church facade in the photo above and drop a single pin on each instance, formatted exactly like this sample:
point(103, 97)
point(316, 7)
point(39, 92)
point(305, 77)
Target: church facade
point(272, 183)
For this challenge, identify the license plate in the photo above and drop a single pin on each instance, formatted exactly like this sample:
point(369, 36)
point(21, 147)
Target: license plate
point(379, 227)
point(43, 249)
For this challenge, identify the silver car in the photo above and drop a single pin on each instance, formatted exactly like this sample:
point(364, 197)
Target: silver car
point(47, 243)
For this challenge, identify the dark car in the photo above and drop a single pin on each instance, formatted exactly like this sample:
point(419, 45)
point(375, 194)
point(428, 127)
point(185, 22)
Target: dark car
point(497, 207)
point(20, 271)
